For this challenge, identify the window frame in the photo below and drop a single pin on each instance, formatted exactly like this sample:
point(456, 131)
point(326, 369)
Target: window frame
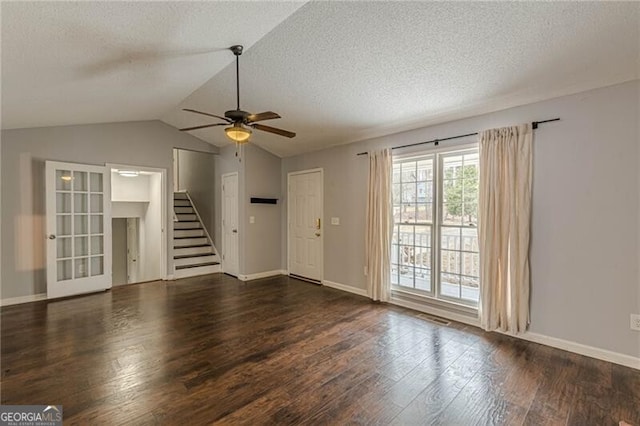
point(438, 156)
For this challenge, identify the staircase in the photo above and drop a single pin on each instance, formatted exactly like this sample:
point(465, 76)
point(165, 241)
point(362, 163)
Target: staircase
point(193, 250)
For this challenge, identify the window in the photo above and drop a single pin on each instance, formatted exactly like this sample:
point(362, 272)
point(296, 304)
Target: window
point(435, 212)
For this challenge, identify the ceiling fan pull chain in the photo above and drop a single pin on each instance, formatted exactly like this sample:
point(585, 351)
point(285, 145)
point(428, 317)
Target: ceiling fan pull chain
point(239, 152)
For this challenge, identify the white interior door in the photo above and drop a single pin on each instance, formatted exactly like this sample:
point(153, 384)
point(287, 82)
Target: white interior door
point(78, 229)
point(133, 251)
point(305, 224)
point(230, 261)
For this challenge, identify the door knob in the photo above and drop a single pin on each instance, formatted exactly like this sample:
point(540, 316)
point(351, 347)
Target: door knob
point(317, 234)
point(235, 231)
point(52, 237)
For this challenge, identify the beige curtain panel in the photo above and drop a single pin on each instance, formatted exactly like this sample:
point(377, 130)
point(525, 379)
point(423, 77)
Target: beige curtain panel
point(379, 227)
point(504, 227)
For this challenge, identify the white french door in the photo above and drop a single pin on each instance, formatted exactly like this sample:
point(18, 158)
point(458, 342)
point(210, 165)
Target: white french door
point(305, 224)
point(78, 206)
point(230, 261)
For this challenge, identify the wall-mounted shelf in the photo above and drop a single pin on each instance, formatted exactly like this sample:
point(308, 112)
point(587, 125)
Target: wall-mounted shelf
point(256, 200)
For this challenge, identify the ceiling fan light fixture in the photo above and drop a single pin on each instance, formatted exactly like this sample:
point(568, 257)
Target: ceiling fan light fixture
point(238, 133)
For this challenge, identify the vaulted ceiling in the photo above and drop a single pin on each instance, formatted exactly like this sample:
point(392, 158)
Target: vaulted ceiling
point(336, 71)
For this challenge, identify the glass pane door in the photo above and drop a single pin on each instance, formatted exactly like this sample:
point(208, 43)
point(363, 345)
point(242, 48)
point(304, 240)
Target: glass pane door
point(76, 220)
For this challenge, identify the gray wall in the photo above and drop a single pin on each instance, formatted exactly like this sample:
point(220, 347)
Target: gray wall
point(24, 151)
point(196, 175)
point(119, 250)
point(258, 176)
point(345, 185)
point(585, 224)
point(262, 238)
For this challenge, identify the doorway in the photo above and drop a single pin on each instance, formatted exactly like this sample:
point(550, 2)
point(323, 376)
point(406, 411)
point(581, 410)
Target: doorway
point(230, 231)
point(305, 241)
point(126, 240)
point(138, 207)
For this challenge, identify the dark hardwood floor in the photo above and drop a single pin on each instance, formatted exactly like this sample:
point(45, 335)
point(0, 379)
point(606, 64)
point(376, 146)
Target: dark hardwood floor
point(282, 351)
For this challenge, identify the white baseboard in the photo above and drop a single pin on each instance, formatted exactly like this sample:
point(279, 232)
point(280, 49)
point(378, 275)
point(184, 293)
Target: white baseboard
point(23, 299)
point(579, 348)
point(347, 288)
point(259, 275)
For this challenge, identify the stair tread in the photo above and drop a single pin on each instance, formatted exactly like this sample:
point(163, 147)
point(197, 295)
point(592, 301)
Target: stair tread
point(192, 246)
point(197, 265)
point(188, 222)
point(185, 256)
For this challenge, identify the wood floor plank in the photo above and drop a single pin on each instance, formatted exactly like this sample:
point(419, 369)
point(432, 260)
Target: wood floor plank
point(214, 349)
point(429, 405)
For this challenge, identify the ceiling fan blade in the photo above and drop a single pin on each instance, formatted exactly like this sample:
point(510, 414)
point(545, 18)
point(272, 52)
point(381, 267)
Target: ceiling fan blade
point(207, 114)
point(267, 115)
point(270, 129)
point(186, 129)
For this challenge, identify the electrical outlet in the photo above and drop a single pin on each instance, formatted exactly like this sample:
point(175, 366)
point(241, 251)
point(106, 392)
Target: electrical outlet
point(635, 322)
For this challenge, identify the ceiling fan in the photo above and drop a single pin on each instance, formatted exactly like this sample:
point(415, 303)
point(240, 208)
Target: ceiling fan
point(241, 122)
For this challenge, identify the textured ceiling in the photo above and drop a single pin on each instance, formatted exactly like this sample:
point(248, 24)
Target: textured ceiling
point(335, 71)
point(92, 62)
point(342, 71)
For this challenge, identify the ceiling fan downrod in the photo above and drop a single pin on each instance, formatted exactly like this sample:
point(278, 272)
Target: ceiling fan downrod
point(237, 50)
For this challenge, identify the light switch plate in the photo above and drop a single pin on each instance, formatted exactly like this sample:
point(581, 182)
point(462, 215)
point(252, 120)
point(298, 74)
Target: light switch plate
point(635, 322)
point(252, 219)
point(335, 221)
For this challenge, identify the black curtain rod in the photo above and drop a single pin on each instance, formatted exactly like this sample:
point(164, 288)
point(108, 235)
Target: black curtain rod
point(437, 141)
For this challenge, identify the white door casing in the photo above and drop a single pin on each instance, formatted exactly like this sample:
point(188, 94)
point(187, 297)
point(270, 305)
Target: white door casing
point(305, 224)
point(230, 231)
point(78, 209)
